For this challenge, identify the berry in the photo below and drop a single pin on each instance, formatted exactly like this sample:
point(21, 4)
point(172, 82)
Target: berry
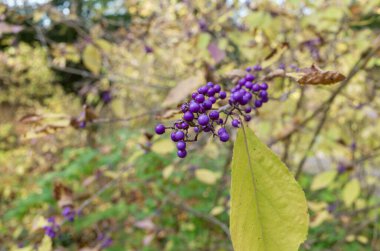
point(249, 77)
point(202, 90)
point(264, 99)
point(203, 119)
point(194, 107)
point(68, 213)
point(200, 98)
point(196, 129)
point(217, 88)
point(257, 67)
point(222, 95)
point(224, 137)
point(248, 69)
point(210, 84)
point(179, 135)
point(194, 95)
point(210, 92)
point(247, 117)
point(184, 107)
point(255, 88)
point(212, 100)
point(160, 129)
point(235, 123)
point(248, 84)
point(258, 103)
point(214, 115)
point(188, 116)
point(181, 145)
point(207, 105)
point(173, 136)
point(264, 86)
point(263, 94)
point(182, 153)
point(221, 131)
point(185, 125)
point(248, 109)
point(220, 121)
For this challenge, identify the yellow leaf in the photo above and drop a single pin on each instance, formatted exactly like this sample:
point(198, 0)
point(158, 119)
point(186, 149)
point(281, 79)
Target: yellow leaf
point(167, 171)
point(322, 180)
point(206, 176)
point(217, 210)
point(363, 239)
point(92, 59)
point(39, 222)
point(320, 218)
point(46, 244)
point(351, 192)
point(163, 146)
point(268, 206)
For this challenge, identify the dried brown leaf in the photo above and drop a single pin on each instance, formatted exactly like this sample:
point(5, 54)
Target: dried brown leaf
point(183, 89)
point(316, 76)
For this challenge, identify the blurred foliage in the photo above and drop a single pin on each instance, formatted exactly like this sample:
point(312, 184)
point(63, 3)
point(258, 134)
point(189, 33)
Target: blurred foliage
point(124, 60)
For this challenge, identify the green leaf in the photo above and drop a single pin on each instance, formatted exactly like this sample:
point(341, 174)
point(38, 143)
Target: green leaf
point(268, 206)
point(322, 180)
point(92, 59)
point(351, 192)
point(203, 40)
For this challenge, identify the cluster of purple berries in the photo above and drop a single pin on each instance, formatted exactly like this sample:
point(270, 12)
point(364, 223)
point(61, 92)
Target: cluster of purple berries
point(200, 116)
point(248, 95)
point(68, 213)
point(52, 229)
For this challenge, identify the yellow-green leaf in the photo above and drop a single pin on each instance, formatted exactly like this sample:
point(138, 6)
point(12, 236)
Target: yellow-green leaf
point(351, 192)
point(322, 180)
point(268, 206)
point(92, 59)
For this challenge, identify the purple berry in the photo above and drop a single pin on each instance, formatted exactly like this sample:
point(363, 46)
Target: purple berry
point(194, 107)
point(185, 125)
point(194, 95)
point(214, 115)
point(235, 123)
point(203, 119)
point(207, 105)
point(181, 145)
point(173, 136)
point(217, 88)
point(248, 84)
point(196, 129)
point(160, 129)
point(184, 107)
point(179, 135)
point(222, 130)
point(202, 90)
point(210, 84)
point(255, 88)
point(247, 117)
point(248, 109)
point(210, 92)
point(264, 99)
point(224, 137)
point(188, 116)
point(258, 103)
point(264, 86)
point(248, 69)
point(249, 77)
point(257, 67)
point(222, 95)
point(182, 153)
point(212, 99)
point(263, 94)
point(200, 98)
point(220, 121)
